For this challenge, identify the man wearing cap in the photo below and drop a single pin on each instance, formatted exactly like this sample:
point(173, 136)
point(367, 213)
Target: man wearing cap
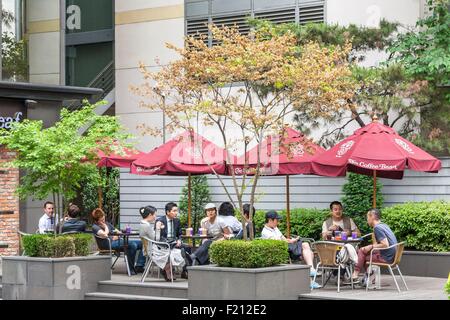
point(215, 227)
point(295, 246)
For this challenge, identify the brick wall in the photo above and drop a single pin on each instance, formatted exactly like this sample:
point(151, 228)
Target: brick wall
point(9, 202)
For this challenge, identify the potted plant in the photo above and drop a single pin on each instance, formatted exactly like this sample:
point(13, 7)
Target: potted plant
point(55, 267)
point(249, 270)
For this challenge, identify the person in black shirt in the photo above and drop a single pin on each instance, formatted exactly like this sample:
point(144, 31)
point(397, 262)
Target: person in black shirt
point(73, 223)
point(104, 229)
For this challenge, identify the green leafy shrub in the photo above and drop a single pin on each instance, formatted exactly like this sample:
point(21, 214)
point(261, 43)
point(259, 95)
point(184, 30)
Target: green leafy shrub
point(304, 222)
point(43, 245)
point(423, 225)
point(447, 287)
point(200, 197)
point(249, 254)
point(357, 199)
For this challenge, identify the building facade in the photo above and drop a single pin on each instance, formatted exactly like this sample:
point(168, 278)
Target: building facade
point(101, 43)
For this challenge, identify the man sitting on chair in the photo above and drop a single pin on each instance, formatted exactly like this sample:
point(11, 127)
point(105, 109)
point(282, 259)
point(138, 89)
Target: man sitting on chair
point(171, 232)
point(73, 223)
point(338, 222)
point(384, 238)
point(295, 246)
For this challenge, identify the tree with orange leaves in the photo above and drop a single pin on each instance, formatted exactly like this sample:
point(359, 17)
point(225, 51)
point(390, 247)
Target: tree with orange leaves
point(247, 87)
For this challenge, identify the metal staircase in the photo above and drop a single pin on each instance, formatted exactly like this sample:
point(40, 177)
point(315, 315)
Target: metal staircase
point(104, 80)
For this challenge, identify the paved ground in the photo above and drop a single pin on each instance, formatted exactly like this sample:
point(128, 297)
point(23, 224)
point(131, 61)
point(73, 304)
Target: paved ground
point(420, 288)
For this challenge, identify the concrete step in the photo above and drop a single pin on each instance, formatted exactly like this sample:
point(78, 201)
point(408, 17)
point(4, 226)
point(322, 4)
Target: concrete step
point(120, 296)
point(164, 290)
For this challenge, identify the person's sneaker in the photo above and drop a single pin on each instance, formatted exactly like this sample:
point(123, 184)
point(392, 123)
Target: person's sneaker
point(315, 285)
point(184, 274)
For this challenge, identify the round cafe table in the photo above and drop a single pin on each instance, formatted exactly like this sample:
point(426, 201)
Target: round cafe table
point(196, 237)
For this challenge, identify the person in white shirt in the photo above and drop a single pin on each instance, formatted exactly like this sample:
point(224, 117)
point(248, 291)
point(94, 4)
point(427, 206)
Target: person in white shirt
point(216, 228)
point(47, 221)
point(295, 246)
point(226, 212)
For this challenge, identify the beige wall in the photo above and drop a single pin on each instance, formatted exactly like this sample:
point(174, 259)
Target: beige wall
point(141, 31)
point(43, 32)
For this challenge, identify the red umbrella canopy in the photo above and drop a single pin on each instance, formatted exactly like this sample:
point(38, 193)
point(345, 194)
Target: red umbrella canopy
point(288, 154)
point(375, 147)
point(187, 153)
point(115, 160)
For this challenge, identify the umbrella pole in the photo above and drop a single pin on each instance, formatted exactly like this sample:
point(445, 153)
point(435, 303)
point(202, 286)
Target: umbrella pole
point(189, 201)
point(288, 209)
point(374, 200)
point(100, 191)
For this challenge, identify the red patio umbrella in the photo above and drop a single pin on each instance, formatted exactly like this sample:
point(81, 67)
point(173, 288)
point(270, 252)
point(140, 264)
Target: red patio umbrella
point(374, 150)
point(118, 161)
point(291, 153)
point(187, 154)
point(114, 160)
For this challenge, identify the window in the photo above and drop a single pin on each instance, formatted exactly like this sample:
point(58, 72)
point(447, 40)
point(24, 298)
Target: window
point(197, 19)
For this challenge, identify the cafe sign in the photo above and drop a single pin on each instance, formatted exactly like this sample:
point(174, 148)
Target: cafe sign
point(11, 112)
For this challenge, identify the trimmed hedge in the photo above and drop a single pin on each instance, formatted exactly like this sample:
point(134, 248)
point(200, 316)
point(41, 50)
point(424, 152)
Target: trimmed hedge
point(447, 287)
point(43, 245)
point(424, 226)
point(304, 222)
point(249, 254)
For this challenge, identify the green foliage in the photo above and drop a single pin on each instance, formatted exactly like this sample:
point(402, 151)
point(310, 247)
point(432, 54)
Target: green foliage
point(109, 182)
point(357, 199)
point(58, 158)
point(425, 52)
point(14, 58)
point(249, 254)
point(200, 197)
point(362, 38)
point(304, 222)
point(447, 287)
point(43, 245)
point(423, 225)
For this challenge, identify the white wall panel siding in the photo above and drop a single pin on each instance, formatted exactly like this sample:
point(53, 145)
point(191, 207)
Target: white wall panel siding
point(305, 191)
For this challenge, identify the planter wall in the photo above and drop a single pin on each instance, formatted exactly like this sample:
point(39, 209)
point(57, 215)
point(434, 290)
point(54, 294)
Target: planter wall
point(425, 264)
point(29, 278)
point(278, 282)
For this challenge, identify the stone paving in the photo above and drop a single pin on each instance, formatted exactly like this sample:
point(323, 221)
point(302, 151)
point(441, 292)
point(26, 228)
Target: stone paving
point(420, 288)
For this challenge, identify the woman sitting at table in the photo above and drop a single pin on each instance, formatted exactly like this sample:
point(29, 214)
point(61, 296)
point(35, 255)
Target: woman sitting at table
point(104, 230)
point(216, 228)
point(226, 212)
point(159, 254)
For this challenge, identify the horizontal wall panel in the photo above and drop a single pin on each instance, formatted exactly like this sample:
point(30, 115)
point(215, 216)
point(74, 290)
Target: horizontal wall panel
point(305, 191)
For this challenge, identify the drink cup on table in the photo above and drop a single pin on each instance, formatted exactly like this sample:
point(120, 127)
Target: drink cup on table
point(204, 231)
point(344, 236)
point(338, 235)
point(354, 235)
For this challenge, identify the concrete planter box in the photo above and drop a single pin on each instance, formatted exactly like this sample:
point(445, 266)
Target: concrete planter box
point(29, 278)
point(284, 282)
point(425, 264)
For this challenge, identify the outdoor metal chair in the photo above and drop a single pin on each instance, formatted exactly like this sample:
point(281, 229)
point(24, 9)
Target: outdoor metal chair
point(391, 266)
point(116, 252)
point(327, 252)
point(147, 245)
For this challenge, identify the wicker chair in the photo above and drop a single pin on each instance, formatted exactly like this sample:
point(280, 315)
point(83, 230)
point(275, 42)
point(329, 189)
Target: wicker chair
point(327, 252)
point(391, 266)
